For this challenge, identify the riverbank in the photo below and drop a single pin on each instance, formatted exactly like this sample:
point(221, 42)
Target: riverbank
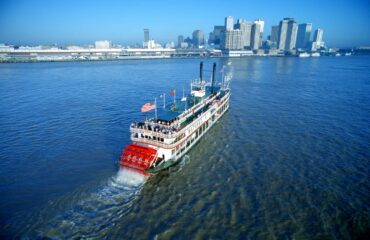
point(33, 57)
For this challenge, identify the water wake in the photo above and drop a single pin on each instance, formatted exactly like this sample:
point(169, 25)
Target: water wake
point(94, 215)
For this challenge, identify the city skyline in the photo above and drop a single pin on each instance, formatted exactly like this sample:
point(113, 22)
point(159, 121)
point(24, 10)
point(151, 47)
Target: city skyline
point(40, 22)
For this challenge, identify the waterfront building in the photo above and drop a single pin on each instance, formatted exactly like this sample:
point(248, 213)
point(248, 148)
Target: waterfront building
point(255, 37)
point(262, 27)
point(189, 41)
point(291, 35)
point(274, 36)
point(180, 40)
point(103, 44)
point(151, 44)
point(216, 34)
point(4, 47)
point(283, 27)
point(170, 45)
point(317, 42)
point(318, 35)
point(303, 35)
point(246, 29)
point(229, 23)
point(287, 34)
point(184, 45)
point(146, 35)
point(198, 38)
point(232, 40)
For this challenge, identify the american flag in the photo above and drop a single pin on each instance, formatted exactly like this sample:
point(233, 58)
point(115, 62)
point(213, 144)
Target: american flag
point(147, 107)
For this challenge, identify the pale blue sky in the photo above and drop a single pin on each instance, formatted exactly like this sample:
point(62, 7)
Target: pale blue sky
point(345, 22)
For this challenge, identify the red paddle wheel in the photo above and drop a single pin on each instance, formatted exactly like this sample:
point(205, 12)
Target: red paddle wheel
point(138, 157)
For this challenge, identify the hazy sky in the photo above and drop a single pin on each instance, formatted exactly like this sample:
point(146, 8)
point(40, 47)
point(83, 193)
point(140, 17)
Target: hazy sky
point(345, 22)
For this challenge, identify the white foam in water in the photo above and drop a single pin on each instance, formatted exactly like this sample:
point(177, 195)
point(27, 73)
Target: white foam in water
point(130, 177)
point(102, 208)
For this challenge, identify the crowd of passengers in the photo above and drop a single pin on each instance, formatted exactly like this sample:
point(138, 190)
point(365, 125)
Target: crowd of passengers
point(166, 127)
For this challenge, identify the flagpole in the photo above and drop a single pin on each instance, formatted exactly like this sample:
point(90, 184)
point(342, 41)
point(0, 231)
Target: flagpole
point(155, 102)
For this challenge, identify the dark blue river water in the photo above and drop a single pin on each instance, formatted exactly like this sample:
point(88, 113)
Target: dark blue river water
point(289, 160)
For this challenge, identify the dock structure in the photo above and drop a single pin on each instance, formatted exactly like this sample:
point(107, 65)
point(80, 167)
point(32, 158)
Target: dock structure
point(54, 54)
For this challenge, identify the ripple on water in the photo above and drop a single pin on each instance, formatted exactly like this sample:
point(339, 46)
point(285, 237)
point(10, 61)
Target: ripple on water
point(93, 214)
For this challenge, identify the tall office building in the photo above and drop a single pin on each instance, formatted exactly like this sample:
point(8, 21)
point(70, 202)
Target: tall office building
point(229, 23)
point(274, 36)
point(317, 37)
point(256, 36)
point(303, 35)
point(198, 38)
point(291, 35)
point(216, 34)
point(180, 40)
point(246, 29)
point(287, 34)
point(283, 28)
point(232, 40)
point(317, 42)
point(262, 27)
point(146, 35)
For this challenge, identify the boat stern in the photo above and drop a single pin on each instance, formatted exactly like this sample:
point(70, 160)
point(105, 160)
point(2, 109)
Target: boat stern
point(138, 157)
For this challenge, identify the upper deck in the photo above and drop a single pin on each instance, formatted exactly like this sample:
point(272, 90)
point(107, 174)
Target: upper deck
point(173, 117)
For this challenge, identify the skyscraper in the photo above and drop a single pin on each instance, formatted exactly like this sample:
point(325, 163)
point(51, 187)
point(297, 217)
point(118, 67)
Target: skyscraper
point(303, 35)
point(262, 26)
point(232, 40)
point(256, 36)
point(229, 23)
point(215, 36)
point(146, 35)
point(180, 40)
point(317, 37)
point(198, 38)
point(283, 28)
point(287, 34)
point(274, 37)
point(317, 40)
point(246, 29)
point(291, 35)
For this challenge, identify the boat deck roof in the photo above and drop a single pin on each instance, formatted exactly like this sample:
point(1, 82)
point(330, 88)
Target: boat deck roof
point(172, 110)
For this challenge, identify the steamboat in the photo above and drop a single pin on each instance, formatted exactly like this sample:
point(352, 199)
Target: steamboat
point(162, 141)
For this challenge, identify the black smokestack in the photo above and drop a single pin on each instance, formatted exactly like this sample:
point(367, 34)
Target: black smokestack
point(213, 76)
point(201, 71)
